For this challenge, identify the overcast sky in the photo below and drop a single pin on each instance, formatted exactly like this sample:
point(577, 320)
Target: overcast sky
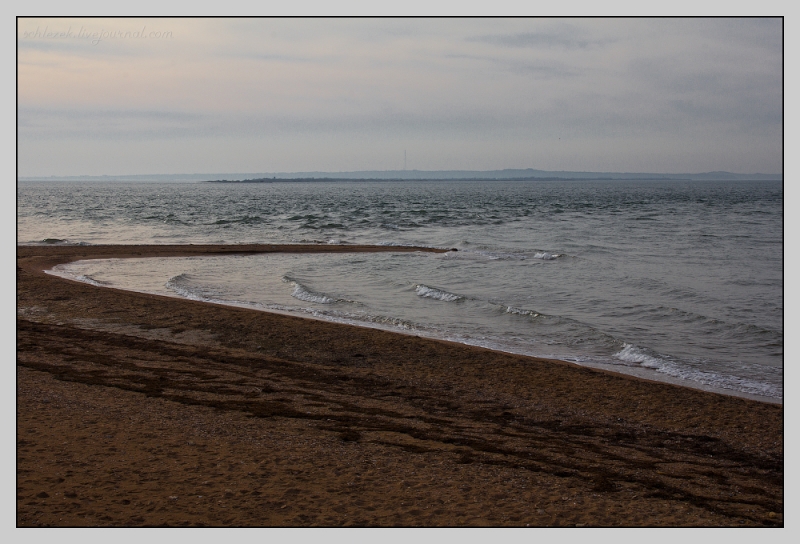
point(168, 96)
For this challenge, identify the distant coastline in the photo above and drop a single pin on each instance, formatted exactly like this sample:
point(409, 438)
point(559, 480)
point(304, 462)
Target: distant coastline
point(279, 180)
point(508, 174)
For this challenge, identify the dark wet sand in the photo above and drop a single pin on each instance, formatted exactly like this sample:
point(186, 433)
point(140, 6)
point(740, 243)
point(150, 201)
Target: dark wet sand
point(136, 409)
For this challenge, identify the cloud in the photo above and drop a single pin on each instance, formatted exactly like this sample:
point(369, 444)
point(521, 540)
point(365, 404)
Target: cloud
point(596, 117)
point(542, 68)
point(48, 124)
point(561, 36)
point(615, 85)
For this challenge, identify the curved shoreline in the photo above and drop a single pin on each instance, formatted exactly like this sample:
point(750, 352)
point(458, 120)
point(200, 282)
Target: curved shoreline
point(189, 250)
point(302, 413)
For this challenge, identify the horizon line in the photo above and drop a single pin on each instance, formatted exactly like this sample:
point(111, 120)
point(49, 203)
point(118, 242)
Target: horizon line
point(387, 171)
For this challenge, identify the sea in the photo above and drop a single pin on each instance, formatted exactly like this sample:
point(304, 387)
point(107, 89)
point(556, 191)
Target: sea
point(675, 281)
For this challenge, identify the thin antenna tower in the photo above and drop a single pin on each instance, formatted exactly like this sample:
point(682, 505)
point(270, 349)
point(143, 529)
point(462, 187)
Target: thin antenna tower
point(404, 159)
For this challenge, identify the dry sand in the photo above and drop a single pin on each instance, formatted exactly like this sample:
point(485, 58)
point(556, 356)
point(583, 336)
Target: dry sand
point(139, 410)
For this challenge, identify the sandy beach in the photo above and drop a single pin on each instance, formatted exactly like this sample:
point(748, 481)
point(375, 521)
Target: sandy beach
point(140, 410)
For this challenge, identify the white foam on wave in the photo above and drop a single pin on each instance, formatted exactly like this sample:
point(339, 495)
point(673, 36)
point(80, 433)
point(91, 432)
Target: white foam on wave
point(178, 285)
point(65, 271)
point(633, 355)
point(520, 311)
point(301, 292)
point(56, 242)
point(369, 320)
point(438, 294)
point(545, 256)
point(90, 280)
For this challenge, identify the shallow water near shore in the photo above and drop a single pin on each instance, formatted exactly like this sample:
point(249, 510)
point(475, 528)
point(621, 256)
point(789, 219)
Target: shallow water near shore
point(678, 281)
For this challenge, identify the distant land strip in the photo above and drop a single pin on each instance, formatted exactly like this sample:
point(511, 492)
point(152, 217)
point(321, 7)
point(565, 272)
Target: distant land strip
point(506, 174)
point(278, 180)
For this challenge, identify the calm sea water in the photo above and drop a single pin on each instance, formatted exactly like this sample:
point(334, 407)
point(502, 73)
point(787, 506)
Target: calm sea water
point(675, 281)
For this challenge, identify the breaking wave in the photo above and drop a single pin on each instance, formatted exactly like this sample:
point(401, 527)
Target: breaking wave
point(180, 285)
point(632, 355)
point(438, 294)
point(520, 311)
point(90, 280)
point(301, 292)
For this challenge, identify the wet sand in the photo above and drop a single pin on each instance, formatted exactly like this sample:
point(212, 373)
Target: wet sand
point(140, 410)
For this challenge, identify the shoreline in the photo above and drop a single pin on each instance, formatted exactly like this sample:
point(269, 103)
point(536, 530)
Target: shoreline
point(632, 372)
point(438, 416)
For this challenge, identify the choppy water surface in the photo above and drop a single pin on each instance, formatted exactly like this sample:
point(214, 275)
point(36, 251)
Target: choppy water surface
point(678, 281)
